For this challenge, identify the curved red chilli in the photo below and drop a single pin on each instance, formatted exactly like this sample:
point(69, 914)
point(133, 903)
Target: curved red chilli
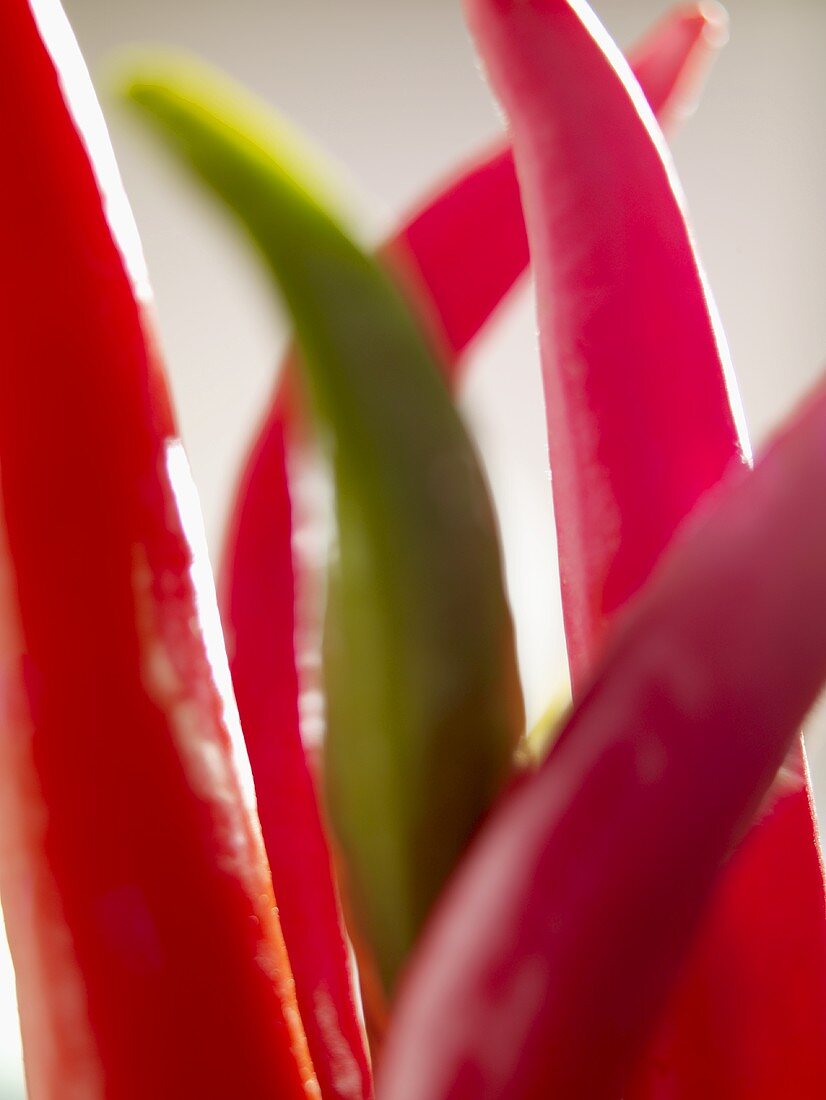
point(465, 246)
point(640, 426)
point(135, 887)
point(552, 955)
point(458, 253)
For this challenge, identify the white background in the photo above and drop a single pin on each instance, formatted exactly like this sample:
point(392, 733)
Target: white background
point(391, 90)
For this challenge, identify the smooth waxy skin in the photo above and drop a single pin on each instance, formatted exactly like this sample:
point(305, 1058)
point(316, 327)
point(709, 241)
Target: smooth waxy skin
point(423, 700)
point(640, 415)
point(456, 256)
point(586, 887)
point(136, 893)
point(643, 419)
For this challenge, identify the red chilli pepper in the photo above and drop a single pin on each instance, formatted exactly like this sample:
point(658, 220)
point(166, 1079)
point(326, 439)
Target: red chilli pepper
point(640, 426)
point(588, 884)
point(136, 892)
point(466, 246)
point(458, 254)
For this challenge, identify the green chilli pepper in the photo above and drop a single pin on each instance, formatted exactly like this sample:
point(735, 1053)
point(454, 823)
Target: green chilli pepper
point(424, 706)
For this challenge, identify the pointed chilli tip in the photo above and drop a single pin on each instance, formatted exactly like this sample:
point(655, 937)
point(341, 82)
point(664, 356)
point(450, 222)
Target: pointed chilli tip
point(179, 93)
point(185, 99)
point(717, 23)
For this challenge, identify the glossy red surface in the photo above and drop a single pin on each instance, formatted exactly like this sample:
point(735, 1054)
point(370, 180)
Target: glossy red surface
point(136, 889)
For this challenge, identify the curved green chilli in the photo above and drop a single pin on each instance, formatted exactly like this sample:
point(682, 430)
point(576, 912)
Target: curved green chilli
point(423, 700)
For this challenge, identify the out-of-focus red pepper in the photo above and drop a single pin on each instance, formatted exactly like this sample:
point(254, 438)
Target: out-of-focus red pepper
point(546, 966)
point(465, 247)
point(673, 59)
point(458, 255)
point(640, 426)
point(262, 658)
point(135, 888)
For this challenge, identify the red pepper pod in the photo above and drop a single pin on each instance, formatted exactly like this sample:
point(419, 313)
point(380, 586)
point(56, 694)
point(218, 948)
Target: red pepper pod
point(465, 246)
point(640, 416)
point(458, 254)
point(545, 968)
point(136, 892)
point(642, 423)
point(266, 684)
